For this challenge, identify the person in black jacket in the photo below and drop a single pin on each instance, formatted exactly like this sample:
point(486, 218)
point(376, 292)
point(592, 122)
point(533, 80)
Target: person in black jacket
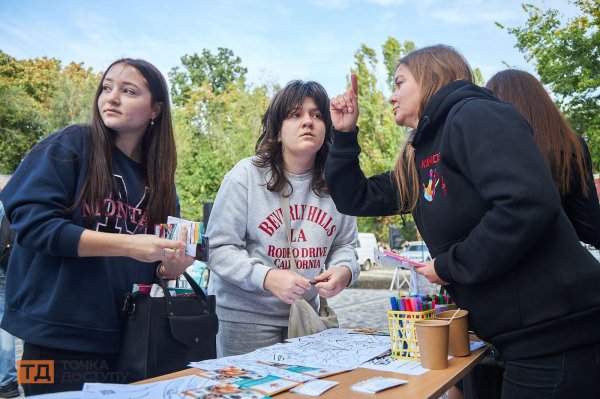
point(483, 198)
point(566, 152)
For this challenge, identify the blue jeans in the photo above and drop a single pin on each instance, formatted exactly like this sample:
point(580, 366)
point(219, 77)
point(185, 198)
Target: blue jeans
point(8, 371)
point(570, 374)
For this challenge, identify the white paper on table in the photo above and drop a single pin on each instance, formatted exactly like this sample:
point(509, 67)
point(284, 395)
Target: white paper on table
point(314, 387)
point(388, 363)
point(70, 395)
point(168, 389)
point(377, 384)
point(330, 349)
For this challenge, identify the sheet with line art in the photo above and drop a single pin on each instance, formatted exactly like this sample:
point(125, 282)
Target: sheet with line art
point(333, 348)
point(387, 363)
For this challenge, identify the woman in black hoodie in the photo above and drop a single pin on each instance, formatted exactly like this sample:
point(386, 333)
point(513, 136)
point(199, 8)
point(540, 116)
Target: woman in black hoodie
point(485, 203)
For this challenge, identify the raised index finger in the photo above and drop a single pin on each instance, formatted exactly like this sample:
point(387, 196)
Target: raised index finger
point(354, 81)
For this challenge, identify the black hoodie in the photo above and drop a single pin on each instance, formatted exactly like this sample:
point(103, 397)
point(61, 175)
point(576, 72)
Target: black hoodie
point(491, 216)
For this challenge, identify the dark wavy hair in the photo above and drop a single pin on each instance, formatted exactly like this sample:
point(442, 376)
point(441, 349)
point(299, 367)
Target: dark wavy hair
point(268, 148)
point(159, 155)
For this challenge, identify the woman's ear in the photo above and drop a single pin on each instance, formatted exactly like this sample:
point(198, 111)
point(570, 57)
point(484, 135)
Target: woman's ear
point(156, 110)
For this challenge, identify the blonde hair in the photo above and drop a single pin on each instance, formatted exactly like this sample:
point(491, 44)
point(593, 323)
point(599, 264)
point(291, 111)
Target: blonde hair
point(433, 68)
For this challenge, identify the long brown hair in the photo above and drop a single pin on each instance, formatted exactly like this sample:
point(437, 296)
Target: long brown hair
point(269, 152)
point(555, 138)
point(433, 68)
point(159, 155)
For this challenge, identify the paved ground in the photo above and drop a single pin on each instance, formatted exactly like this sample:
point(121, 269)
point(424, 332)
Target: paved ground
point(359, 307)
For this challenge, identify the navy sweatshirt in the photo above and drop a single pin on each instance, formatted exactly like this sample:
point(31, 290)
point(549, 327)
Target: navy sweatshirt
point(54, 298)
point(491, 216)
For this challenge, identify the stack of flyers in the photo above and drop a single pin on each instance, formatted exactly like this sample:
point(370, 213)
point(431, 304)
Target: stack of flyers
point(309, 371)
point(222, 391)
point(265, 384)
point(376, 384)
point(191, 233)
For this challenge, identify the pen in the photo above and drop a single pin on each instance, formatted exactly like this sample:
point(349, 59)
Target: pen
point(320, 281)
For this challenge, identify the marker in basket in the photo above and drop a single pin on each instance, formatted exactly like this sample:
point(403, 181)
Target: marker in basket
point(402, 303)
point(394, 303)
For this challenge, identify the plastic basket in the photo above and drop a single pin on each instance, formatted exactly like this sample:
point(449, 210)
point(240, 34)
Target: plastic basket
point(403, 334)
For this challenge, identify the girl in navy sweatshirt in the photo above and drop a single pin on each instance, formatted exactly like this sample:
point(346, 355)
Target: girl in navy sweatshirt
point(83, 203)
point(485, 203)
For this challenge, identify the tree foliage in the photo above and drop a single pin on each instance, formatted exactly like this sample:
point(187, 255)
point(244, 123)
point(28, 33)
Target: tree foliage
point(392, 51)
point(37, 97)
point(219, 71)
point(478, 77)
point(566, 54)
point(217, 121)
point(380, 138)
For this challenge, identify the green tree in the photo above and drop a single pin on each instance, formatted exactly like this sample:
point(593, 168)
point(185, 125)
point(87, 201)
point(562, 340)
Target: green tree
point(219, 71)
point(380, 138)
point(22, 124)
point(73, 96)
point(566, 54)
point(392, 51)
point(217, 121)
point(38, 97)
point(478, 77)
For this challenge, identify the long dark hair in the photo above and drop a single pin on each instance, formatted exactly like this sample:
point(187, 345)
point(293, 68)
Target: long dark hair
point(268, 148)
point(159, 155)
point(555, 138)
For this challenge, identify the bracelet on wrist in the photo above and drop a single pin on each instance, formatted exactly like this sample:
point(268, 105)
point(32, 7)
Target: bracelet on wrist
point(161, 272)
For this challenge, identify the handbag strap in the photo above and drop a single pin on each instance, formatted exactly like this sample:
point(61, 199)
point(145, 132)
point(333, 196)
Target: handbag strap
point(193, 284)
point(284, 202)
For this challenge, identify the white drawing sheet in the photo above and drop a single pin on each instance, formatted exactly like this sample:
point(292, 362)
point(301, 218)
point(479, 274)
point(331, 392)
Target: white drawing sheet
point(330, 349)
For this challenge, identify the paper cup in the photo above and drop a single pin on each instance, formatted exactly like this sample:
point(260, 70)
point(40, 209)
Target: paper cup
point(458, 344)
point(432, 336)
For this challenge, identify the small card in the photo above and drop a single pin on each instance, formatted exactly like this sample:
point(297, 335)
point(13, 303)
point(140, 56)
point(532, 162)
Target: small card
point(377, 384)
point(474, 345)
point(314, 387)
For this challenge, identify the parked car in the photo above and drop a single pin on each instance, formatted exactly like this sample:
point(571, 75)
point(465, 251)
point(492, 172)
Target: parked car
point(365, 247)
point(417, 251)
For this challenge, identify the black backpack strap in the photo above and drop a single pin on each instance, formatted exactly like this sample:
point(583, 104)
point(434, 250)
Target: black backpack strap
point(7, 237)
point(6, 234)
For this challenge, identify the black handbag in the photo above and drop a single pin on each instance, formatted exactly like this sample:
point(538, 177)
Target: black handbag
point(164, 334)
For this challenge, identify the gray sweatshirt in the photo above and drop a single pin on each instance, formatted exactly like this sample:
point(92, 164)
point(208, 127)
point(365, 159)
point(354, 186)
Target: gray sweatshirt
point(247, 239)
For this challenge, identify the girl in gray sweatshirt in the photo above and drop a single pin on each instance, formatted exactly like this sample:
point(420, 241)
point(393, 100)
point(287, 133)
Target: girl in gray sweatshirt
point(250, 253)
